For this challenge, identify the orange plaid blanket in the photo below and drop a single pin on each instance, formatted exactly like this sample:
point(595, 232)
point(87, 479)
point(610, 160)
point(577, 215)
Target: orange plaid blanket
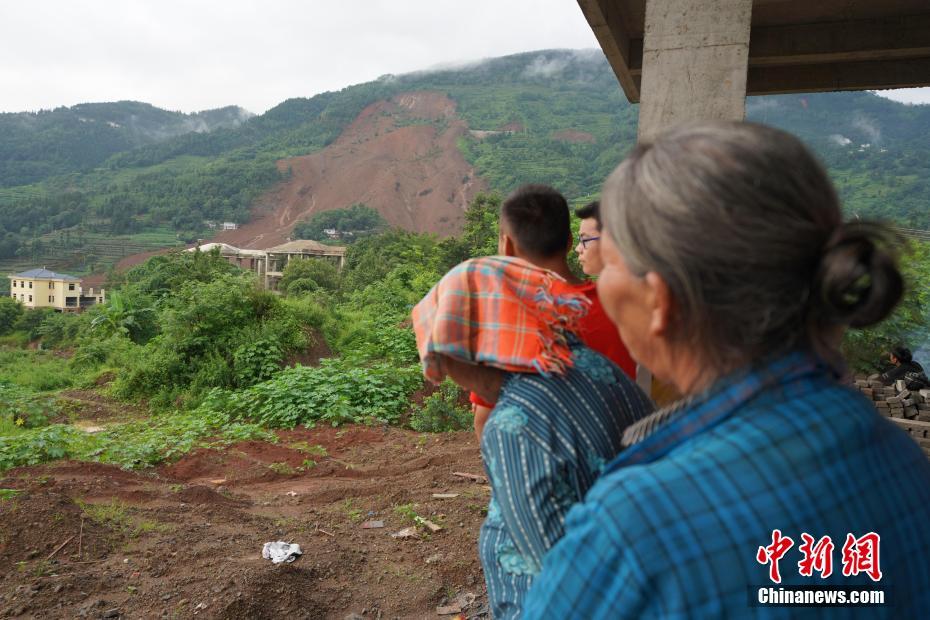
point(499, 311)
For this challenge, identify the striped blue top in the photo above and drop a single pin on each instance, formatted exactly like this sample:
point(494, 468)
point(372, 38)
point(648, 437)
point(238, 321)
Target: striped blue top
point(545, 443)
point(674, 526)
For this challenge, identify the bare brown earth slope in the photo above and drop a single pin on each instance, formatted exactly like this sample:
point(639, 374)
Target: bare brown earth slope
point(399, 157)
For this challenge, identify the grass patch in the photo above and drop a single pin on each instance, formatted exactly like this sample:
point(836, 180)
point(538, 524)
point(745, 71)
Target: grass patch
point(131, 445)
point(6, 494)
point(352, 511)
point(39, 371)
point(282, 468)
point(117, 517)
point(303, 446)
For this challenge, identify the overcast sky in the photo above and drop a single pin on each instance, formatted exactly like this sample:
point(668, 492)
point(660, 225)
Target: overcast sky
point(199, 54)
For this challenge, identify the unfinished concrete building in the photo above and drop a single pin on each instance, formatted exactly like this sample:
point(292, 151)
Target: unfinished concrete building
point(268, 265)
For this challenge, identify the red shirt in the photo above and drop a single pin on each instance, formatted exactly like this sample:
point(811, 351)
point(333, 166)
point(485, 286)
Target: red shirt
point(595, 330)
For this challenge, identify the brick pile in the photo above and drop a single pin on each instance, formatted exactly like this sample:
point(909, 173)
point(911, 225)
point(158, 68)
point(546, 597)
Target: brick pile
point(909, 409)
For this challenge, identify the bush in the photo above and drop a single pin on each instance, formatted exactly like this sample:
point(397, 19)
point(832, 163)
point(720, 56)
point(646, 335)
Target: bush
point(25, 408)
point(335, 392)
point(132, 445)
point(10, 312)
point(308, 275)
point(61, 329)
point(31, 320)
point(440, 411)
point(256, 361)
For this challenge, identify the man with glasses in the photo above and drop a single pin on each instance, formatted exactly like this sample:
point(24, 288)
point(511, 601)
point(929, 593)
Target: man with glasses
point(589, 233)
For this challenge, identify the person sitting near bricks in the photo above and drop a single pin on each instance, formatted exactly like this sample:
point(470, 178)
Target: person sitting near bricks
point(535, 225)
point(905, 369)
point(729, 271)
point(504, 328)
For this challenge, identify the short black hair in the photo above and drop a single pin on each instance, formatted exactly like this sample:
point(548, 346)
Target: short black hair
point(902, 353)
point(592, 209)
point(538, 218)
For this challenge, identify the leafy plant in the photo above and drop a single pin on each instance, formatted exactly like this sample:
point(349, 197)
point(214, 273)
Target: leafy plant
point(26, 408)
point(407, 512)
point(335, 392)
point(441, 412)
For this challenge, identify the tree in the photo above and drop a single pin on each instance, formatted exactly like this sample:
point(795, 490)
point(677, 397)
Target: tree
point(309, 274)
point(482, 224)
point(910, 321)
point(121, 315)
point(10, 312)
point(355, 221)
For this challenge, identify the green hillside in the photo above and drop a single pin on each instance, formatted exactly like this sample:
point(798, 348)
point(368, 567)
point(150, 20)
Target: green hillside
point(35, 146)
point(72, 170)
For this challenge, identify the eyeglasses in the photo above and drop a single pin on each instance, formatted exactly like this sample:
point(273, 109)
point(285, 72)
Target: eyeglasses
point(585, 242)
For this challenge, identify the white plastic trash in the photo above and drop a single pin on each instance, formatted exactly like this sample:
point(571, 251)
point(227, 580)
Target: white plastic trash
point(281, 551)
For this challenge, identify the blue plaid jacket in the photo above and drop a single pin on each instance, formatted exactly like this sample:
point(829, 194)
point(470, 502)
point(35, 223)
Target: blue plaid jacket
point(673, 526)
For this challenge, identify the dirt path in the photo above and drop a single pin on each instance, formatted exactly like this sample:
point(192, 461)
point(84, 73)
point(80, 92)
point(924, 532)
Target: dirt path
point(185, 539)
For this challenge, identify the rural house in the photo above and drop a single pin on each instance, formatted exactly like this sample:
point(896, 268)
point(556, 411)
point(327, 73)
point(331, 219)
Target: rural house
point(41, 288)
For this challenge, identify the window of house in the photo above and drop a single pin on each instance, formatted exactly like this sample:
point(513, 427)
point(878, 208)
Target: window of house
point(14, 283)
point(30, 285)
point(30, 298)
point(51, 285)
point(71, 286)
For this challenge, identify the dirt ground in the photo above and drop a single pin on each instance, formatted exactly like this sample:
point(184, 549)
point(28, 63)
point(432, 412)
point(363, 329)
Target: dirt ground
point(86, 540)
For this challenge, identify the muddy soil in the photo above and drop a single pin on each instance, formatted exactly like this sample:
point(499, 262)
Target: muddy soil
point(85, 540)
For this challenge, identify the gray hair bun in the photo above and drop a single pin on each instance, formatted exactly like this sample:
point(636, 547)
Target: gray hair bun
point(858, 283)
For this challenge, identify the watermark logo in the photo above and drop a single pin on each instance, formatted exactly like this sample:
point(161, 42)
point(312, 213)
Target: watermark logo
point(860, 555)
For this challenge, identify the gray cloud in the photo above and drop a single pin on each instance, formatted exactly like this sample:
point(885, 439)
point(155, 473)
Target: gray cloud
point(190, 56)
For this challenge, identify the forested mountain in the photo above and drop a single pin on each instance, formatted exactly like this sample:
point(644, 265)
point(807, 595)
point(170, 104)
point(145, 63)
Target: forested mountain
point(38, 145)
point(553, 116)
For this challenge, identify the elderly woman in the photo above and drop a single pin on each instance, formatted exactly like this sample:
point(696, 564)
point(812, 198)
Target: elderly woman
point(729, 272)
point(500, 327)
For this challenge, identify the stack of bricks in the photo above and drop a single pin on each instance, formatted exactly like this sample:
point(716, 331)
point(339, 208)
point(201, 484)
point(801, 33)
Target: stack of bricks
point(908, 409)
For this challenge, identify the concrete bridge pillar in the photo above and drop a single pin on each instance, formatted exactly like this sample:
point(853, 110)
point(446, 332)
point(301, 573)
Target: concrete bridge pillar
point(695, 60)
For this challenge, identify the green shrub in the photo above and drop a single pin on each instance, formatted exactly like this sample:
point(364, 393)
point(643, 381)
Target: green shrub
point(132, 445)
point(24, 408)
point(440, 411)
point(31, 320)
point(335, 392)
point(61, 329)
point(308, 275)
point(256, 361)
point(39, 371)
point(10, 312)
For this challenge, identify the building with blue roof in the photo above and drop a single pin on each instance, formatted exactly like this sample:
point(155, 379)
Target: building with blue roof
point(43, 288)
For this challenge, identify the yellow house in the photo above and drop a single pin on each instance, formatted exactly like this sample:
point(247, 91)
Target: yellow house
point(41, 288)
